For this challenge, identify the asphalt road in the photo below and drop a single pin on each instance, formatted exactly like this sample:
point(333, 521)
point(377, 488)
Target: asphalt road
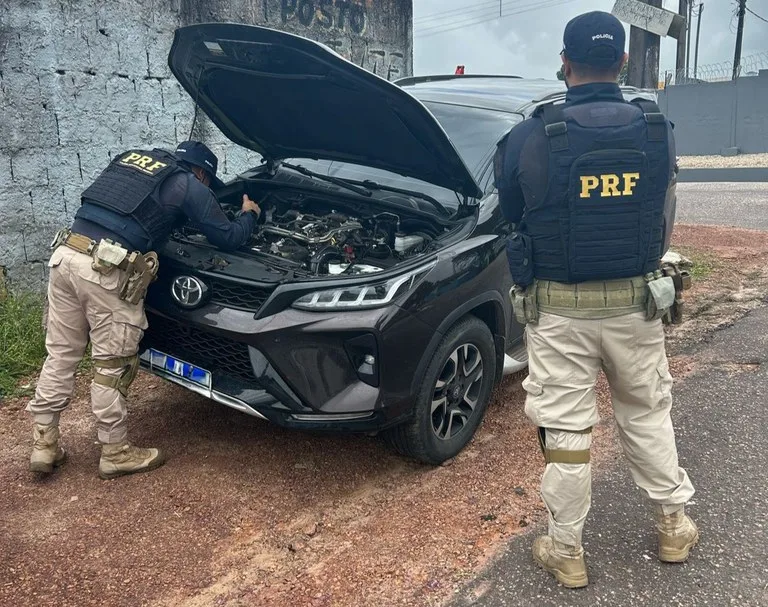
point(743, 205)
point(720, 415)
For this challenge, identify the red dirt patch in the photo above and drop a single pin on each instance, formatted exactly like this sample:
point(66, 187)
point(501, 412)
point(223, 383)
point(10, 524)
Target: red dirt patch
point(290, 518)
point(735, 266)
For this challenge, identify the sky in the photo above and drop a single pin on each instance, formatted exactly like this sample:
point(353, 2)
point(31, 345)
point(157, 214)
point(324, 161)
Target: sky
point(528, 44)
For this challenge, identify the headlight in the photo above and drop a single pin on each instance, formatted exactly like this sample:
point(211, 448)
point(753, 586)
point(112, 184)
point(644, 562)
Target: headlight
point(372, 295)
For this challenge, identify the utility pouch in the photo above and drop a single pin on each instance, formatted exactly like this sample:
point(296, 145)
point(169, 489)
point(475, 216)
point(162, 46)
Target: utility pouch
point(682, 281)
point(520, 258)
point(107, 257)
point(674, 315)
point(661, 297)
point(525, 304)
point(142, 271)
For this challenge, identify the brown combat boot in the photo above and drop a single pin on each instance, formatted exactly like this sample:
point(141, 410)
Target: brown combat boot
point(46, 452)
point(565, 562)
point(123, 458)
point(677, 535)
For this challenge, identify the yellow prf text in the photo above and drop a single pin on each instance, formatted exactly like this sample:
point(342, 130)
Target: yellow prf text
point(610, 185)
point(146, 164)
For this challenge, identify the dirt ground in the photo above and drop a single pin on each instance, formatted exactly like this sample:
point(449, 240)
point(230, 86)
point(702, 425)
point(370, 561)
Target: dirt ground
point(245, 513)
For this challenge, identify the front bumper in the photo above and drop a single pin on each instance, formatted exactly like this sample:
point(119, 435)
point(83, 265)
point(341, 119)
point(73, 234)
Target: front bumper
point(297, 369)
point(262, 405)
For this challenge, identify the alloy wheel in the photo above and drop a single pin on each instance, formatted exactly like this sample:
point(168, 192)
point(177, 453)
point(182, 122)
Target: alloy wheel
point(457, 391)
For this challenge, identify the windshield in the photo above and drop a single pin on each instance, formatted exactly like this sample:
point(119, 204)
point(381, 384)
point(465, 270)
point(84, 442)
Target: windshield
point(473, 131)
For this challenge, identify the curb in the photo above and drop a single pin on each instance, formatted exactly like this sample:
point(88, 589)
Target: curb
point(753, 174)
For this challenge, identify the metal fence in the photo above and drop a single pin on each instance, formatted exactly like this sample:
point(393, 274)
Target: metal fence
point(719, 72)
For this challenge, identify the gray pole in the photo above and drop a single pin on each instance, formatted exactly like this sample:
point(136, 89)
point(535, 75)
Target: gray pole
point(644, 55)
point(698, 31)
point(739, 37)
point(688, 36)
point(680, 64)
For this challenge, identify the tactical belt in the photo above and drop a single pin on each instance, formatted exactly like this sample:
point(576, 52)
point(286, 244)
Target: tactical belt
point(595, 299)
point(141, 269)
point(83, 244)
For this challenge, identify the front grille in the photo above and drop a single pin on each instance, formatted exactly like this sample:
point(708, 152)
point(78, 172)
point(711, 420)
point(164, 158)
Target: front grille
point(235, 295)
point(223, 292)
point(199, 347)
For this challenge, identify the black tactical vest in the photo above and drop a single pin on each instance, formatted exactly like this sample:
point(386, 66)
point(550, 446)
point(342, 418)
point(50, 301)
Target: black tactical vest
point(128, 189)
point(600, 215)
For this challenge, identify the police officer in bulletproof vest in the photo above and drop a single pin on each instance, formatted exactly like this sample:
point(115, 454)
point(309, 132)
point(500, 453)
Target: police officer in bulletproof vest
point(589, 184)
point(99, 272)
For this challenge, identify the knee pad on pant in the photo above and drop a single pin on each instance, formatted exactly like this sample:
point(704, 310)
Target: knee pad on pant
point(566, 456)
point(130, 366)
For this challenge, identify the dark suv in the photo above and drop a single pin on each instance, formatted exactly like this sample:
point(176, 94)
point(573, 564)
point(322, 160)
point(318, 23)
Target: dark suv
point(373, 296)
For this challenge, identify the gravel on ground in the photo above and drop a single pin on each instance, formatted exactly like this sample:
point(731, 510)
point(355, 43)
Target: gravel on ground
point(724, 162)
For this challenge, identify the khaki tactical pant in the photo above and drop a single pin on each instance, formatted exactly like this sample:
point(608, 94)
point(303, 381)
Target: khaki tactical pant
point(565, 356)
point(85, 305)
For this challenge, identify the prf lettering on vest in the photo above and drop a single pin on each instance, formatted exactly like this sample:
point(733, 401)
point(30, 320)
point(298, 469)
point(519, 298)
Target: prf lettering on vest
point(145, 164)
point(610, 185)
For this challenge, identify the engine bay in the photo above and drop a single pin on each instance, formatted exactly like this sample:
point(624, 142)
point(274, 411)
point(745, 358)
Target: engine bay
point(313, 236)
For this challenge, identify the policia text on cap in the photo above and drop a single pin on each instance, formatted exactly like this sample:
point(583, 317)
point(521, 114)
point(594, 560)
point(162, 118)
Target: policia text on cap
point(589, 185)
point(99, 273)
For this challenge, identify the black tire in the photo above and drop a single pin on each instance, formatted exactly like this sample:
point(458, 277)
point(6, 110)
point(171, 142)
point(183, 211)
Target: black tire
point(434, 435)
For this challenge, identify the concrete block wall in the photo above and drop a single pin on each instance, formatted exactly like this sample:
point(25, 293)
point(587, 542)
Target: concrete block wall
point(710, 117)
point(82, 80)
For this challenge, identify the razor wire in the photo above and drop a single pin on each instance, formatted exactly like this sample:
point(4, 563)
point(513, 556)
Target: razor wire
point(750, 65)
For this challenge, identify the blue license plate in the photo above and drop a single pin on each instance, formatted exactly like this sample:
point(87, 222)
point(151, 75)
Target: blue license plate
point(179, 368)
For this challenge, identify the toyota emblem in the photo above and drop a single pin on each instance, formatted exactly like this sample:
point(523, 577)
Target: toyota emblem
point(189, 292)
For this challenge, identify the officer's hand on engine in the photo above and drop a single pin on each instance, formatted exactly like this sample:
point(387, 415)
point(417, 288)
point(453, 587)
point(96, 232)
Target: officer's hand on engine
point(249, 205)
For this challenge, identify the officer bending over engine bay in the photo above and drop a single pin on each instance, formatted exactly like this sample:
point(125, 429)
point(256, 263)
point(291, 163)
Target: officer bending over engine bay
point(589, 184)
point(99, 273)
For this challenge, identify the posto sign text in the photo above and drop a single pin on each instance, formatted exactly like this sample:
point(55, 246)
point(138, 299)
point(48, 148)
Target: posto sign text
point(339, 14)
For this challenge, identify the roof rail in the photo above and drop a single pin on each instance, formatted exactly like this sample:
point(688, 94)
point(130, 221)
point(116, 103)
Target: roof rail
point(442, 77)
point(548, 96)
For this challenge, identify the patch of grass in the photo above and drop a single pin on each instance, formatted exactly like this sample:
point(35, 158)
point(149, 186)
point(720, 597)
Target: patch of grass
point(22, 342)
point(702, 268)
point(22, 339)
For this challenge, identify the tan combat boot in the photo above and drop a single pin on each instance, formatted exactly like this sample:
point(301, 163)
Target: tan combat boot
point(123, 458)
point(565, 562)
point(677, 535)
point(46, 453)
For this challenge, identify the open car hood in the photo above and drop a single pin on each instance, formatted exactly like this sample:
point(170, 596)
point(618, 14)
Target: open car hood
point(285, 96)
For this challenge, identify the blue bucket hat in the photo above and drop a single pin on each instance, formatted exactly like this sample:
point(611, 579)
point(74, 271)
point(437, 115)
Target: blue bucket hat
point(200, 155)
point(595, 38)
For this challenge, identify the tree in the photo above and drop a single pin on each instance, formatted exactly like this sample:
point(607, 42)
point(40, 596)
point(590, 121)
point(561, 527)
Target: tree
point(560, 74)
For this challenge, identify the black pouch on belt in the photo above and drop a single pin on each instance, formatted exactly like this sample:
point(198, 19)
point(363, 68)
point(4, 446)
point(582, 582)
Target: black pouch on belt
point(520, 258)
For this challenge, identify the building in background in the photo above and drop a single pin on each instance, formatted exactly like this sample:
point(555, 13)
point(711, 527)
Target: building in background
point(81, 80)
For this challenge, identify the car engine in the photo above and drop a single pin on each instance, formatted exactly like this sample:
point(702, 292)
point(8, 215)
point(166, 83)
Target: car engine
point(313, 237)
point(330, 242)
